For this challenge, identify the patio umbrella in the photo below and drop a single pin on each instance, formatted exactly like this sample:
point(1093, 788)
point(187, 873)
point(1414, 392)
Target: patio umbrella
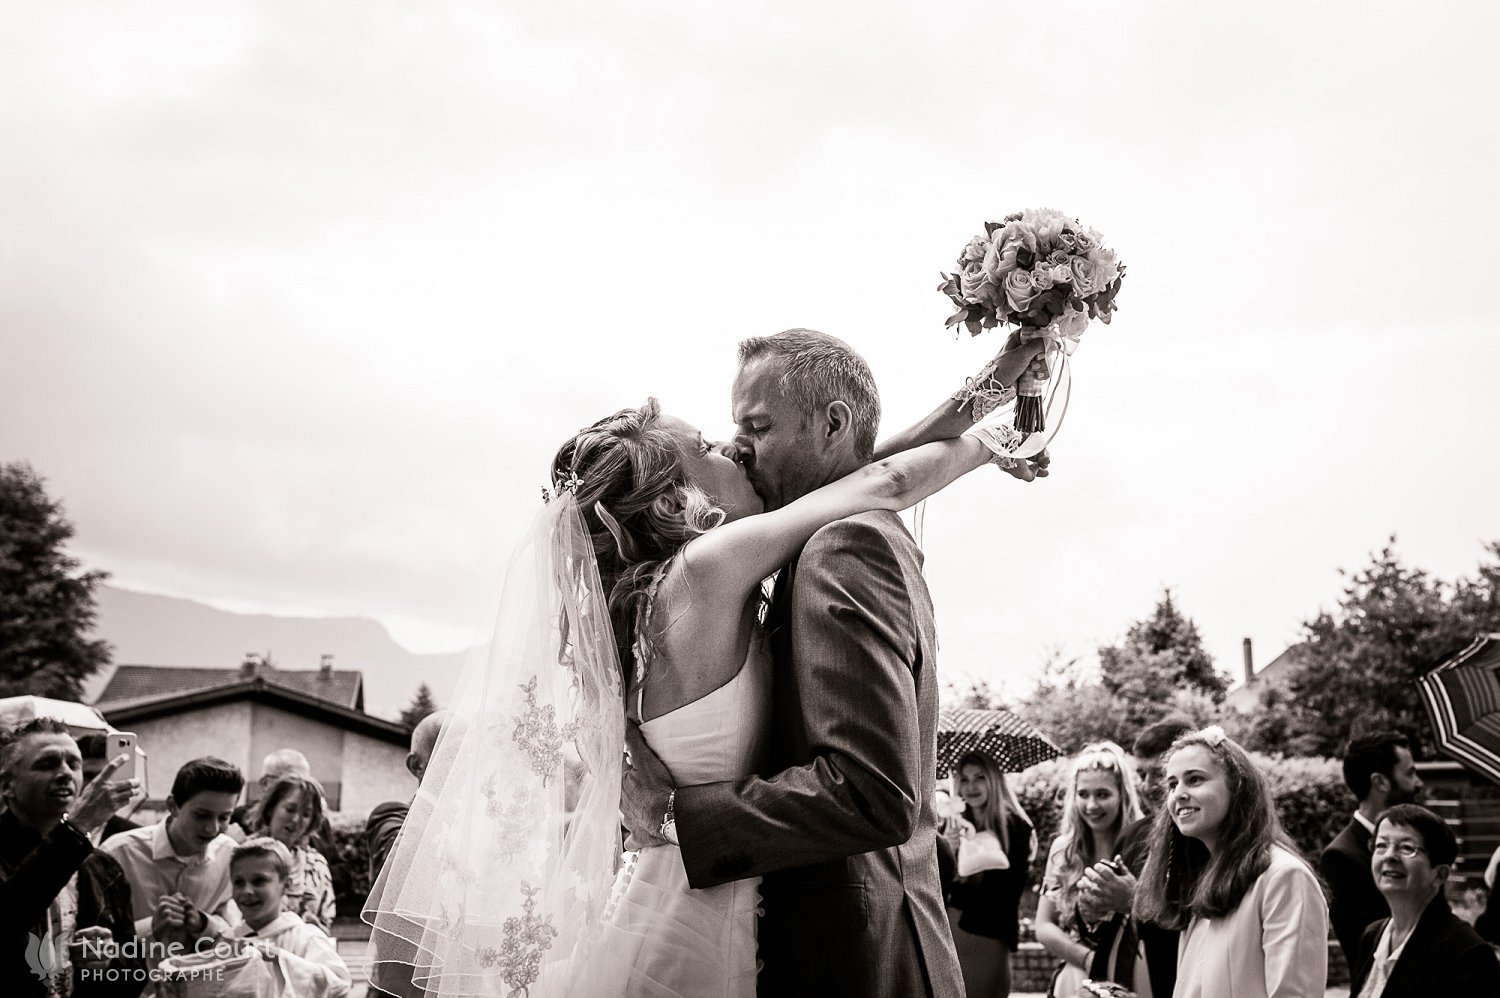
point(80, 718)
point(1462, 696)
point(999, 734)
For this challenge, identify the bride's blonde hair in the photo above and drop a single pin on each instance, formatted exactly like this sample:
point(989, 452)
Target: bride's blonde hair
point(638, 506)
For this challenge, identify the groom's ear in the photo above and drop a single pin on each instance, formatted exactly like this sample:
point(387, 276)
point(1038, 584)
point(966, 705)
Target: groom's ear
point(838, 427)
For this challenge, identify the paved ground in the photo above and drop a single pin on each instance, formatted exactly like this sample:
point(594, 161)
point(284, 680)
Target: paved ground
point(352, 949)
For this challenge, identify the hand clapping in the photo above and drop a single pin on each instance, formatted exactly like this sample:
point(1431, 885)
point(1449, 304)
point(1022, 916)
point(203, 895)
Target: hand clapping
point(1107, 886)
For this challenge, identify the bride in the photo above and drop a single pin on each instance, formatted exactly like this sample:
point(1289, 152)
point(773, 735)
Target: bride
point(637, 590)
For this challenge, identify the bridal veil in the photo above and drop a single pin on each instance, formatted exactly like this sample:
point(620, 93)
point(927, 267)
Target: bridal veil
point(500, 879)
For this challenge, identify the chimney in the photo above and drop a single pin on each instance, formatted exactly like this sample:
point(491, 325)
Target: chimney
point(325, 665)
point(250, 666)
point(1249, 664)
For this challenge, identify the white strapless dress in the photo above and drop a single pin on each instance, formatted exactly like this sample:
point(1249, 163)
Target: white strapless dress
point(664, 939)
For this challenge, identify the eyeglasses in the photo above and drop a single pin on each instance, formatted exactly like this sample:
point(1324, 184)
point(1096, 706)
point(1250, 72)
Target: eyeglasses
point(1406, 850)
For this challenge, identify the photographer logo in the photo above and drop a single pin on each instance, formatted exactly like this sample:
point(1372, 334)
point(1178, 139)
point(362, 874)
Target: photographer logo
point(43, 956)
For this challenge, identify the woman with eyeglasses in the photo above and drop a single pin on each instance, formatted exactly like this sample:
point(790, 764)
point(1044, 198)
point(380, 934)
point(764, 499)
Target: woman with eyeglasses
point(1423, 948)
point(1221, 871)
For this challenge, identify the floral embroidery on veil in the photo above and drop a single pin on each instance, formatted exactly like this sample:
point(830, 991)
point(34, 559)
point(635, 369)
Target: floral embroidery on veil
point(499, 881)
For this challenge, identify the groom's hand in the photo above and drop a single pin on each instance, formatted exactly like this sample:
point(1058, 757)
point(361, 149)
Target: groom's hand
point(1029, 469)
point(644, 789)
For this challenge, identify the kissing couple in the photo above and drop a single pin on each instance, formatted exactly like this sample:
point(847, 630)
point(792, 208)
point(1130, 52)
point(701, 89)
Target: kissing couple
point(782, 748)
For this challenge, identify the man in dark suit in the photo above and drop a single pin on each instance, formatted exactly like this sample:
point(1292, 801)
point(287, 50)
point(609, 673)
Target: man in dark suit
point(840, 824)
point(1379, 770)
point(1423, 948)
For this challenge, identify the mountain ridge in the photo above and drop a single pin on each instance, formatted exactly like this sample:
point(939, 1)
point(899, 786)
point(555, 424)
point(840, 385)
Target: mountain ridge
point(152, 629)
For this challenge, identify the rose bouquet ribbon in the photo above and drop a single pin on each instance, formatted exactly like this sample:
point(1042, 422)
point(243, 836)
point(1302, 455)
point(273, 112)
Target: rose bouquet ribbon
point(1046, 274)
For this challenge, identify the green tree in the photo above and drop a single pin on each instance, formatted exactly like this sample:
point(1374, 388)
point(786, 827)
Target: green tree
point(46, 605)
point(1358, 664)
point(1072, 708)
point(421, 705)
point(1162, 657)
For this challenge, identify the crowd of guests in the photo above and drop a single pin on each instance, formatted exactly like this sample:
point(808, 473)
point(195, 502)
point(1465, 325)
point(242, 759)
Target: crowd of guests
point(1170, 875)
point(1206, 896)
point(93, 904)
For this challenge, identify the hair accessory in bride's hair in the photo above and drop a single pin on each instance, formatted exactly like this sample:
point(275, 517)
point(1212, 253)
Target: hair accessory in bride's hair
point(568, 485)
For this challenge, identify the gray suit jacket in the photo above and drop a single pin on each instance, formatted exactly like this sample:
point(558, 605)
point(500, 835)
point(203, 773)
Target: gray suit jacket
point(841, 824)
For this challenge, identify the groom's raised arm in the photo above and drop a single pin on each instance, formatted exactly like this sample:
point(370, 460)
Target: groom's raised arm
point(854, 645)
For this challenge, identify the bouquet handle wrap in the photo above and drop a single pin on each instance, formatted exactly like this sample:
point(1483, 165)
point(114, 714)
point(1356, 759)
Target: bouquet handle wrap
point(1029, 391)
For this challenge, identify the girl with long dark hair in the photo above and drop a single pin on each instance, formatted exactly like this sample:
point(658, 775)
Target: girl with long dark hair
point(1221, 871)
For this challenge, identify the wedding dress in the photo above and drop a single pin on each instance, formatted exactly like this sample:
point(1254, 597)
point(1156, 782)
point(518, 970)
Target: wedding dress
point(507, 878)
point(664, 939)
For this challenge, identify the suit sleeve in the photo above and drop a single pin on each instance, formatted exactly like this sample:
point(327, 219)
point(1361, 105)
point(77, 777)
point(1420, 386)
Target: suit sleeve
point(854, 647)
point(1346, 879)
point(26, 893)
point(380, 834)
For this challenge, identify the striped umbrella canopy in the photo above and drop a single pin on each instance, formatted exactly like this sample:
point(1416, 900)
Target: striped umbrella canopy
point(1462, 697)
point(999, 734)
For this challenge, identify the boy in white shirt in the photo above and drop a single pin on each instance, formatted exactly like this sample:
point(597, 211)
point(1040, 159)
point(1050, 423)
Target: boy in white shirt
point(257, 875)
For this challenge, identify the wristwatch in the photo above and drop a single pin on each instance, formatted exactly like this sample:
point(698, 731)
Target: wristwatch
point(668, 829)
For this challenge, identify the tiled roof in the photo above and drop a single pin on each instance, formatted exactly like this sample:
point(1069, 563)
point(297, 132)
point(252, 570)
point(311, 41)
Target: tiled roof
point(257, 689)
point(143, 683)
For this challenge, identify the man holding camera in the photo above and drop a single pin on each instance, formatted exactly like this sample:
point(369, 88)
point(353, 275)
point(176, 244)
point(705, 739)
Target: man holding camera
point(61, 900)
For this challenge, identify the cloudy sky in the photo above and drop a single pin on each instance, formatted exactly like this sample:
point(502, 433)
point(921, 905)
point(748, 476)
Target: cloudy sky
point(297, 299)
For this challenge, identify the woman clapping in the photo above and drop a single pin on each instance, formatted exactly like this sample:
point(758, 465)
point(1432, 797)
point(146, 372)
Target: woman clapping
point(1101, 800)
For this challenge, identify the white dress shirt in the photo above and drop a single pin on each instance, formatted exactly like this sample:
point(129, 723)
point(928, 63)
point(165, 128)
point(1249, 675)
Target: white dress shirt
point(155, 870)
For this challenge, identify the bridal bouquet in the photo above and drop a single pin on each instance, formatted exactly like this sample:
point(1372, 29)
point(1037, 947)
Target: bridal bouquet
point(1044, 272)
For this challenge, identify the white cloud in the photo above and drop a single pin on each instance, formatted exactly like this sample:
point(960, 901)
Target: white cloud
point(297, 299)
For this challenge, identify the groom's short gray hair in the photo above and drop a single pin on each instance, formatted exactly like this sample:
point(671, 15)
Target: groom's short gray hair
point(818, 369)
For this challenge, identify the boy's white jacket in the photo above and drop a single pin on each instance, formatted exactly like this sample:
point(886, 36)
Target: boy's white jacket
point(309, 958)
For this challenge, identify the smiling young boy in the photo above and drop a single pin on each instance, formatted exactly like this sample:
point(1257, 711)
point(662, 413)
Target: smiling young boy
point(258, 873)
point(179, 867)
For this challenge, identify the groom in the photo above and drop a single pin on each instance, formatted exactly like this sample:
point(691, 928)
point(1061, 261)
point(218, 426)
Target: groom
point(840, 823)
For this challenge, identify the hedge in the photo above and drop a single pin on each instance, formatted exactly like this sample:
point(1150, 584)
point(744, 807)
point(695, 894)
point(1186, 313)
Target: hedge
point(350, 865)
